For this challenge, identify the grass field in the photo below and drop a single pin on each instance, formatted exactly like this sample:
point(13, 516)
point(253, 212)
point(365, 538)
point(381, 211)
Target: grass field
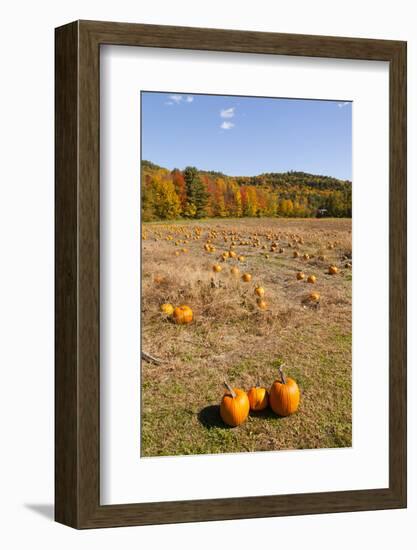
point(231, 338)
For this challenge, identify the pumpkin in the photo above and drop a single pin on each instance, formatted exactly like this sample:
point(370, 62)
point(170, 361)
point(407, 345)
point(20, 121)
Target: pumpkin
point(300, 276)
point(241, 258)
point(260, 291)
point(311, 279)
point(246, 277)
point(296, 254)
point(234, 407)
point(167, 309)
point(183, 315)
point(284, 395)
point(314, 297)
point(158, 279)
point(333, 270)
point(306, 257)
point(261, 303)
point(234, 271)
point(217, 268)
point(258, 398)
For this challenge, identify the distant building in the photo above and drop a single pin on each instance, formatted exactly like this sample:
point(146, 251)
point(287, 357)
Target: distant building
point(321, 213)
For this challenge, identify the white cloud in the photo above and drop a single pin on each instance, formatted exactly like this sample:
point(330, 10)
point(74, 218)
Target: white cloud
point(225, 125)
point(227, 113)
point(343, 104)
point(176, 98)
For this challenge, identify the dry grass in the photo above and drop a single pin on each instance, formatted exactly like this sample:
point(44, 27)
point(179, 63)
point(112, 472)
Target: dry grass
point(232, 339)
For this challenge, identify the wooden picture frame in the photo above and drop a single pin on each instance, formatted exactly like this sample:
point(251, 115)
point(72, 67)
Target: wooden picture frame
point(77, 374)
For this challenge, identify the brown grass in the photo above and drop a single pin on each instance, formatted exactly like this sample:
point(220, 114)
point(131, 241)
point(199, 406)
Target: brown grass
point(231, 338)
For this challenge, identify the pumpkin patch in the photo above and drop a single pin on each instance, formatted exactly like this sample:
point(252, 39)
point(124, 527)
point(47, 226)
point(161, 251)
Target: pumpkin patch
point(224, 309)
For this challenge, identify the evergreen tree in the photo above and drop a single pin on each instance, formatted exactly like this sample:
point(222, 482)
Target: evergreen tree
point(196, 192)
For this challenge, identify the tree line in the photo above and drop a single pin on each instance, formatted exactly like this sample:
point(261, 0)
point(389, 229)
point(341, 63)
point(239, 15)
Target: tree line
point(190, 193)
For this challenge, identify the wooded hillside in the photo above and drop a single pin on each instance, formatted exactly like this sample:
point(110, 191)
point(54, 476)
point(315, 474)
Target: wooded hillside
point(192, 193)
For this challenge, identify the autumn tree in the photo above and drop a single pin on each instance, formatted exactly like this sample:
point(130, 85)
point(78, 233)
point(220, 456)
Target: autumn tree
point(147, 196)
point(166, 203)
point(180, 188)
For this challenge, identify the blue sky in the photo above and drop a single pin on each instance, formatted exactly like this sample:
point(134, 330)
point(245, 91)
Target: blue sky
point(246, 136)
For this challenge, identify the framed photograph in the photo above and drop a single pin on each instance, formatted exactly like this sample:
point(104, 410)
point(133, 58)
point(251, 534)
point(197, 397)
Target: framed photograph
point(230, 274)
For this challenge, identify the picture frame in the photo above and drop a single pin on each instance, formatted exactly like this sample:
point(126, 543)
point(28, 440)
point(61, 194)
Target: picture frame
point(77, 274)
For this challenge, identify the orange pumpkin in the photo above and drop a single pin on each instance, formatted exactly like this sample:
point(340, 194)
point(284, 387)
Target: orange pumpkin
point(217, 268)
point(183, 315)
point(260, 291)
point(284, 395)
point(333, 269)
point(314, 297)
point(262, 304)
point(311, 279)
point(258, 398)
point(234, 271)
point(246, 277)
point(300, 276)
point(234, 407)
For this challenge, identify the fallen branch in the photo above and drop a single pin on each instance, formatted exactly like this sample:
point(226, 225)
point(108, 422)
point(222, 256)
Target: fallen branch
point(150, 359)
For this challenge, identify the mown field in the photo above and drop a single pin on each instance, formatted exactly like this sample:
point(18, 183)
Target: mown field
point(232, 339)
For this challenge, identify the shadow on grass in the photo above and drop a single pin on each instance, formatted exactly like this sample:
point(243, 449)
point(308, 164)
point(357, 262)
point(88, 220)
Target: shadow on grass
point(210, 417)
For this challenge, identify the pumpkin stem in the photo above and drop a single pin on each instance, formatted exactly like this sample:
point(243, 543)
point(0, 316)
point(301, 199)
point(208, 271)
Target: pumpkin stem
point(230, 389)
point(281, 372)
